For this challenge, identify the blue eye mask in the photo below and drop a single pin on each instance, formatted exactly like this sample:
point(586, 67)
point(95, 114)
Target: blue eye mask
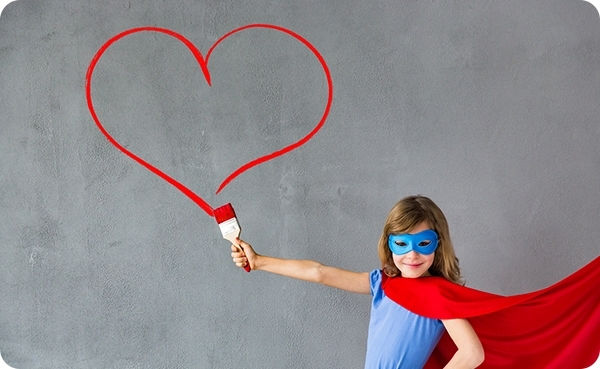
point(424, 242)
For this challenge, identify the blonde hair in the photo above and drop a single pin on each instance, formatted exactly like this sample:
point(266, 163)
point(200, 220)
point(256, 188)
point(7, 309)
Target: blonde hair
point(406, 215)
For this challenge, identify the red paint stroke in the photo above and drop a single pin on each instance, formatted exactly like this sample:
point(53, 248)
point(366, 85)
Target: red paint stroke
point(203, 63)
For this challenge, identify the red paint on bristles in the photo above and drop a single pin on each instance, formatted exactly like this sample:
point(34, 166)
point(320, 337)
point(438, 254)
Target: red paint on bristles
point(224, 213)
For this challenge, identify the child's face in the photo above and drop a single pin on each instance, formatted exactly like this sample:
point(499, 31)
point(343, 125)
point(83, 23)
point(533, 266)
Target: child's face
point(413, 264)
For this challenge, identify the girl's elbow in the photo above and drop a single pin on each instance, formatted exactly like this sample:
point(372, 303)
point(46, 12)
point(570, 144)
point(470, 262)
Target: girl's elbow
point(478, 356)
point(471, 357)
point(319, 274)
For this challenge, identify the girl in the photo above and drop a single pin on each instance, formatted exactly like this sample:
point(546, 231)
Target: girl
point(415, 243)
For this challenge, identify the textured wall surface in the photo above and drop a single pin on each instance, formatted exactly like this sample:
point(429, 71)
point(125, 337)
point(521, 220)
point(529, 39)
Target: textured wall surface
point(488, 107)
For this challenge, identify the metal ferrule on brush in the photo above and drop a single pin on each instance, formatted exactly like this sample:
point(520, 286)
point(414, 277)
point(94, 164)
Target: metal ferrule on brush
point(229, 226)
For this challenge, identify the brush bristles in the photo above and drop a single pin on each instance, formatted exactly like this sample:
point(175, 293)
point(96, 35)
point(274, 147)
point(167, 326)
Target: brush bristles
point(224, 213)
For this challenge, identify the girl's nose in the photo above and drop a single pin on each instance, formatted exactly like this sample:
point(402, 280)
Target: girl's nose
point(412, 254)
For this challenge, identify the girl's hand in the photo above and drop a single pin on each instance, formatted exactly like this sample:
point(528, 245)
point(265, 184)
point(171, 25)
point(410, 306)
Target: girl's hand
point(243, 254)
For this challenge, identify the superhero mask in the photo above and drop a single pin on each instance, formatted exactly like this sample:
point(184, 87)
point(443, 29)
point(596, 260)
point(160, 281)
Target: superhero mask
point(424, 242)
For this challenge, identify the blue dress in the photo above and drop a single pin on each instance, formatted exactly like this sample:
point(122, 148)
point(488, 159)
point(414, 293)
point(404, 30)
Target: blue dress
point(397, 338)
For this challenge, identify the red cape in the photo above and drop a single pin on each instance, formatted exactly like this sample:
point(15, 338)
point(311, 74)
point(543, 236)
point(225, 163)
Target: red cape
point(554, 328)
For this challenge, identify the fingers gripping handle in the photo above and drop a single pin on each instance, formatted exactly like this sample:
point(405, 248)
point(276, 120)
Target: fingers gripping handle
point(235, 242)
point(247, 266)
point(231, 231)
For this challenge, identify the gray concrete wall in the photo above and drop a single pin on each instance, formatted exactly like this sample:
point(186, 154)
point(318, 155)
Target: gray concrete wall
point(488, 107)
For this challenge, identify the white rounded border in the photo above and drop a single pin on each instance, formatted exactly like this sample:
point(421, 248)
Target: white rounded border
point(4, 3)
point(595, 3)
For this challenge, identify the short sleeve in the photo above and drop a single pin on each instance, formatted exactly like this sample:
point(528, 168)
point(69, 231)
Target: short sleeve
point(375, 281)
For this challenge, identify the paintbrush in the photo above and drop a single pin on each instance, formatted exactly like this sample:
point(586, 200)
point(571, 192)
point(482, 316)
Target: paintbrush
point(230, 228)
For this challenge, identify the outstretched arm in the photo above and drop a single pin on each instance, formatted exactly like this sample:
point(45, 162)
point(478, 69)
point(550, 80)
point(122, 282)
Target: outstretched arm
point(306, 270)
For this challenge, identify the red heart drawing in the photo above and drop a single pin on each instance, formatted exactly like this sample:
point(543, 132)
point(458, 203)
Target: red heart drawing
point(203, 62)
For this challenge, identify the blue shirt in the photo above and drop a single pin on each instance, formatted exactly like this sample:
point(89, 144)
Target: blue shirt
point(398, 339)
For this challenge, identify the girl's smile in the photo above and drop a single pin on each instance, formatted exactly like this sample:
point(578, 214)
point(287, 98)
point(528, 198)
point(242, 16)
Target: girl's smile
point(413, 265)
